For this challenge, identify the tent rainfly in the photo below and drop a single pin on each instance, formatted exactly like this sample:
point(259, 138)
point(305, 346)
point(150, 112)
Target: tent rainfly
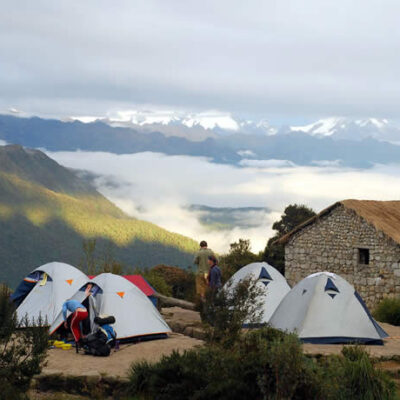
point(274, 286)
point(135, 314)
point(325, 308)
point(43, 292)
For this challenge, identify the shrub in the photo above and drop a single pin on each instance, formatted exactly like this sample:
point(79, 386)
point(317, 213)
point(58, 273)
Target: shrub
point(354, 376)
point(22, 351)
point(181, 281)
point(246, 371)
point(289, 374)
point(158, 282)
point(388, 310)
point(227, 310)
point(262, 364)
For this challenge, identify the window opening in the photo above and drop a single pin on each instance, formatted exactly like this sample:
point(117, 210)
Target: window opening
point(363, 256)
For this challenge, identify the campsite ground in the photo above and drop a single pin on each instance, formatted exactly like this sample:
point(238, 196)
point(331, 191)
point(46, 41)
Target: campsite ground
point(117, 365)
point(68, 363)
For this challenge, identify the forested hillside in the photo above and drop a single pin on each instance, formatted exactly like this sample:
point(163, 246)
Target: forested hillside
point(46, 212)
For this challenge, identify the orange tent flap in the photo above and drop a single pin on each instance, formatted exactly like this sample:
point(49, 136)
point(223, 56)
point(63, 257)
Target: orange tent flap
point(69, 281)
point(121, 294)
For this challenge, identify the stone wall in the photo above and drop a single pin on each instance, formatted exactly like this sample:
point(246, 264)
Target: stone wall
point(332, 244)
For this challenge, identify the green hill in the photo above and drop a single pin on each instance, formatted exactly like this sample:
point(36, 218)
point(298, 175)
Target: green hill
point(46, 212)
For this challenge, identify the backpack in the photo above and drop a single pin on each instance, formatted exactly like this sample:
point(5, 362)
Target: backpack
point(99, 343)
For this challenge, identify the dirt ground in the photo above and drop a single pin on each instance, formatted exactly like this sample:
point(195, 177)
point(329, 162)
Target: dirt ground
point(390, 348)
point(70, 363)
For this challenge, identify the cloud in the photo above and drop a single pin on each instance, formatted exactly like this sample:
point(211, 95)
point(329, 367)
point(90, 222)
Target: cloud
point(288, 57)
point(266, 163)
point(158, 188)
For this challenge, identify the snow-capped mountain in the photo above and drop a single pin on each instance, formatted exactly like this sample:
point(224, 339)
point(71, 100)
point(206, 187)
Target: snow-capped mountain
point(352, 129)
point(213, 124)
point(193, 126)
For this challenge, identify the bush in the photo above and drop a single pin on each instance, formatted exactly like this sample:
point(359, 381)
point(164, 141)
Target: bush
point(182, 282)
point(388, 310)
point(263, 364)
point(227, 310)
point(246, 371)
point(354, 376)
point(158, 282)
point(22, 351)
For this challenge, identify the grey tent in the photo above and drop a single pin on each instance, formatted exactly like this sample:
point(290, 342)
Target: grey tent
point(44, 290)
point(273, 284)
point(325, 308)
point(135, 314)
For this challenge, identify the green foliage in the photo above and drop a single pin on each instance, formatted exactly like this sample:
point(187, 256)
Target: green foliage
point(228, 309)
point(40, 224)
point(294, 214)
point(239, 255)
point(182, 282)
point(89, 261)
point(354, 376)
point(245, 371)
point(388, 310)
point(156, 280)
point(22, 351)
point(263, 364)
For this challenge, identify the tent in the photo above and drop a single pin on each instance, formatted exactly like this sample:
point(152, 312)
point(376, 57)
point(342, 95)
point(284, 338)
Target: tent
point(44, 290)
point(135, 314)
point(273, 284)
point(142, 284)
point(325, 308)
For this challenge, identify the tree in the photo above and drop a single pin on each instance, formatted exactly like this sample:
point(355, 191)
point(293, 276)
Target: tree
point(108, 262)
point(294, 215)
point(89, 263)
point(22, 351)
point(105, 263)
point(239, 255)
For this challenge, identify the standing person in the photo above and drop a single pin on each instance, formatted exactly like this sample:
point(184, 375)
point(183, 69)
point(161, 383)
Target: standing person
point(79, 313)
point(214, 276)
point(201, 260)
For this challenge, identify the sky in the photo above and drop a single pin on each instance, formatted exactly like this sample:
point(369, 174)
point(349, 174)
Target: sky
point(290, 61)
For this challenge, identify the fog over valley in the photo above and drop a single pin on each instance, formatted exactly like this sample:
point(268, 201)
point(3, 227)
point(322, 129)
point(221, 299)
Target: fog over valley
point(161, 189)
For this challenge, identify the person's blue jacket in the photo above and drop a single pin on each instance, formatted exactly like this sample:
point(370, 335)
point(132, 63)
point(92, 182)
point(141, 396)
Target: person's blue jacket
point(71, 305)
point(215, 277)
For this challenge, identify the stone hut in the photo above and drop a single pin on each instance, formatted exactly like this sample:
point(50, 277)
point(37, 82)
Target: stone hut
point(357, 239)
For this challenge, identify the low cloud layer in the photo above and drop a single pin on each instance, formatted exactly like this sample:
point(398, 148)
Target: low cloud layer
point(157, 188)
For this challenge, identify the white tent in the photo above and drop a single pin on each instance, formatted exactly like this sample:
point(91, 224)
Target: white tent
point(57, 282)
point(325, 308)
point(273, 284)
point(134, 313)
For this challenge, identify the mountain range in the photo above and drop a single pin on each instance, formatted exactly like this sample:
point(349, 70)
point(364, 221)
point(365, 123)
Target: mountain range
point(352, 143)
point(47, 211)
point(213, 124)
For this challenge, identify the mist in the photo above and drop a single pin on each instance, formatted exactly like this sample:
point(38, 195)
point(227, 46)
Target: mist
point(159, 188)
